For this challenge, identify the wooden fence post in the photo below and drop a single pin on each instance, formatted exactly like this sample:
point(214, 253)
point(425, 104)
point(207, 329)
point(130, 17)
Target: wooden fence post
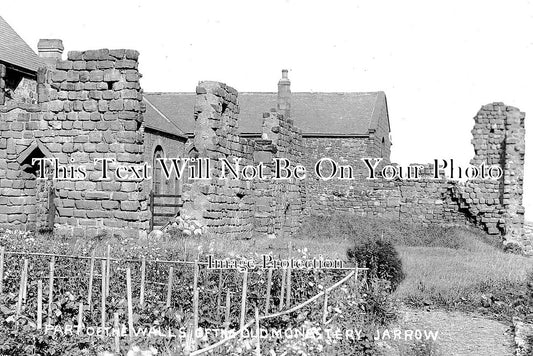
point(151, 210)
point(39, 304)
point(91, 277)
point(51, 289)
point(325, 311)
point(219, 296)
point(116, 326)
point(289, 275)
point(282, 293)
point(243, 298)
point(257, 331)
point(108, 270)
point(21, 287)
point(25, 289)
point(102, 315)
point(80, 317)
point(130, 302)
point(169, 290)
point(143, 279)
point(2, 255)
point(195, 301)
point(228, 308)
point(269, 288)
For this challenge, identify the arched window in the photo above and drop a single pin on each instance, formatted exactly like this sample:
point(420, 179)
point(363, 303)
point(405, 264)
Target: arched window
point(157, 176)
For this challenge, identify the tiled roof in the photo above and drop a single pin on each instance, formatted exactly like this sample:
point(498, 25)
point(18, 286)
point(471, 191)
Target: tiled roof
point(314, 113)
point(177, 107)
point(13, 49)
point(156, 120)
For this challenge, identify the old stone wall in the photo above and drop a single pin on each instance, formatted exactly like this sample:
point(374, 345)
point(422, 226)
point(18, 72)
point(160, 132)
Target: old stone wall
point(17, 180)
point(279, 204)
point(89, 108)
point(236, 205)
point(225, 206)
point(495, 205)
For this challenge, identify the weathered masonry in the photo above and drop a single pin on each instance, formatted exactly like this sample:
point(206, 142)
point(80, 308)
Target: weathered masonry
point(90, 106)
point(85, 108)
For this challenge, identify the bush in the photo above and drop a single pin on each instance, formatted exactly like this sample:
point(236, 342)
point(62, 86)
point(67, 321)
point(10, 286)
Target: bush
point(381, 258)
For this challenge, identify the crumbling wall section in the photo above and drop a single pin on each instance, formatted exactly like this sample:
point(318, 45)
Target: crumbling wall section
point(499, 139)
point(279, 203)
point(495, 205)
point(93, 106)
point(20, 125)
point(247, 203)
point(223, 205)
point(89, 108)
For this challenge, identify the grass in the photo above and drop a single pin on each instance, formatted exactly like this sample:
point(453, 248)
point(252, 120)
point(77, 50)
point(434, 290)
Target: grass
point(444, 266)
point(445, 276)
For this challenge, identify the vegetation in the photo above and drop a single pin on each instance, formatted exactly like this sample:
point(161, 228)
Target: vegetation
point(351, 307)
point(381, 259)
point(421, 266)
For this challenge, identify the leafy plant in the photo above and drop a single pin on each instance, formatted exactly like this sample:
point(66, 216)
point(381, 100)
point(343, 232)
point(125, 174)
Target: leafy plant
point(380, 257)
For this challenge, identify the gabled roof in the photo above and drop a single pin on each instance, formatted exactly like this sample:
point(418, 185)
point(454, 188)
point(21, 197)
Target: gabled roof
point(315, 113)
point(14, 51)
point(157, 120)
point(178, 108)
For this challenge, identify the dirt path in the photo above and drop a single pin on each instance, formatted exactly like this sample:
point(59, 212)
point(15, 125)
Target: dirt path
point(458, 334)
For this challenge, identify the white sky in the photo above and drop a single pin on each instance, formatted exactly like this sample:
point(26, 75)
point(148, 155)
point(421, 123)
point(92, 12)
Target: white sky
point(437, 61)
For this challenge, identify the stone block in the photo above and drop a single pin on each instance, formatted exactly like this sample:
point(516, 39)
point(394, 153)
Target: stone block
point(96, 76)
point(132, 54)
point(59, 76)
point(73, 76)
point(112, 75)
point(129, 205)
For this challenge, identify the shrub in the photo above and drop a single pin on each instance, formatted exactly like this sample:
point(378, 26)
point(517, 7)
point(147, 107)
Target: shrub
point(513, 248)
point(380, 257)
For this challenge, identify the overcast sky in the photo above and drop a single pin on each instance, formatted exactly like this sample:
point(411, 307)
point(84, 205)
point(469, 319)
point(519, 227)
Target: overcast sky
point(437, 61)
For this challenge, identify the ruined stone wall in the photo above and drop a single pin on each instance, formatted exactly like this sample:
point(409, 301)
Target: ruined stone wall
point(279, 204)
point(493, 205)
point(89, 108)
point(238, 206)
point(326, 195)
point(225, 206)
point(499, 138)
point(18, 125)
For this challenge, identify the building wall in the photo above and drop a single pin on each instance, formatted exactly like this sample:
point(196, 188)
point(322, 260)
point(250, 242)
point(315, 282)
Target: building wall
point(172, 146)
point(379, 144)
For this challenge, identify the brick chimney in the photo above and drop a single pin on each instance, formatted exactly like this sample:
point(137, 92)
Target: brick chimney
point(284, 94)
point(50, 50)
